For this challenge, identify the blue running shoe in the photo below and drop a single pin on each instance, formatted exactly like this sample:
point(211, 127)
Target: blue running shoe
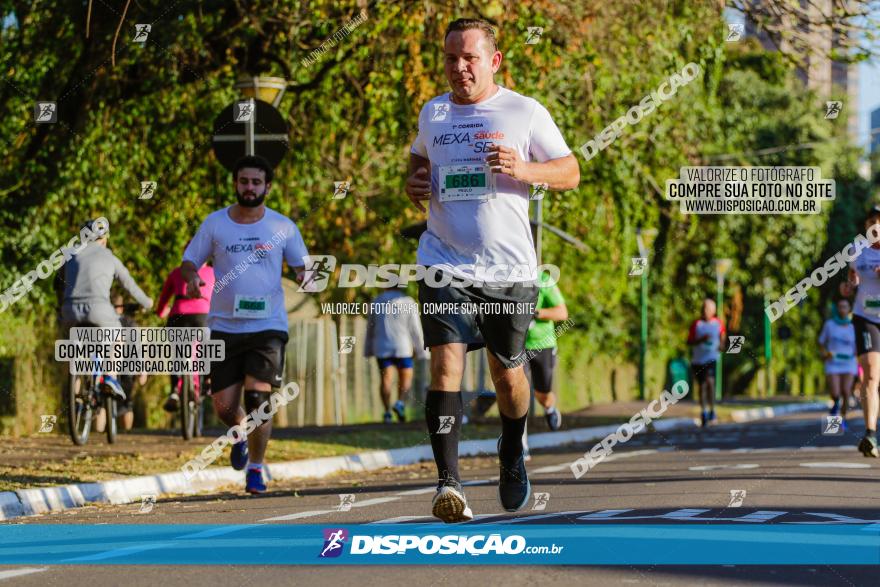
point(712, 417)
point(554, 418)
point(514, 488)
point(835, 409)
point(238, 458)
point(400, 411)
point(704, 418)
point(113, 387)
point(254, 483)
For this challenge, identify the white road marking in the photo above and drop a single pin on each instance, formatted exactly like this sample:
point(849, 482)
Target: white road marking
point(374, 501)
point(717, 467)
point(760, 516)
point(836, 465)
point(683, 514)
point(311, 514)
point(298, 516)
point(421, 491)
point(21, 572)
point(604, 514)
point(399, 520)
point(836, 519)
point(551, 469)
point(614, 457)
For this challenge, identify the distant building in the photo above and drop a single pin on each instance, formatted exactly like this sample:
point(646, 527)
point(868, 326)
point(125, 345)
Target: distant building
point(831, 80)
point(875, 130)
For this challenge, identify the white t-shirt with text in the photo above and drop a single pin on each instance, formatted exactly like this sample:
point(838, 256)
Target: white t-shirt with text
point(247, 296)
point(464, 234)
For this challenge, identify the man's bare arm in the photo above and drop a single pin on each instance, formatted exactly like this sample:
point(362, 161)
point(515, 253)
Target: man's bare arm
point(190, 274)
point(418, 182)
point(559, 174)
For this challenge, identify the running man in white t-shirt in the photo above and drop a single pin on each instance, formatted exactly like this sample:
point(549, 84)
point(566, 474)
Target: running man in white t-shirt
point(478, 151)
point(864, 274)
point(248, 243)
point(837, 344)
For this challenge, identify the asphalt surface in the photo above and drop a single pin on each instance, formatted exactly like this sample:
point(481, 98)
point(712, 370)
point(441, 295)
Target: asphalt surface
point(789, 471)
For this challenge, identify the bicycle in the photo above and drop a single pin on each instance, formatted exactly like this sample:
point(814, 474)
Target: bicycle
point(192, 411)
point(88, 392)
point(85, 394)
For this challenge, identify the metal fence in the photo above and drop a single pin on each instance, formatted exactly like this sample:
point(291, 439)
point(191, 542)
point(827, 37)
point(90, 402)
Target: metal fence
point(343, 387)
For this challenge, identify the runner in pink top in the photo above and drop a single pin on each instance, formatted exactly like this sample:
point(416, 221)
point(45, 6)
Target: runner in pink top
point(184, 312)
point(176, 286)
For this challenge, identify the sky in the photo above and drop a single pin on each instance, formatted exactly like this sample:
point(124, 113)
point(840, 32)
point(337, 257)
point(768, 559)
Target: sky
point(869, 98)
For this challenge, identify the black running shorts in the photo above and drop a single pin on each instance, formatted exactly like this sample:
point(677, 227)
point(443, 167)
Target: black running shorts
point(495, 317)
point(540, 369)
point(867, 335)
point(703, 373)
point(187, 321)
point(258, 354)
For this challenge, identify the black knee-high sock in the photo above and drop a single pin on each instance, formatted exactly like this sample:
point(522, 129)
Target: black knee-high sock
point(512, 430)
point(443, 411)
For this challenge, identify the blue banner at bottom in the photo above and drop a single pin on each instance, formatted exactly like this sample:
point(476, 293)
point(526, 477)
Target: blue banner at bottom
point(430, 544)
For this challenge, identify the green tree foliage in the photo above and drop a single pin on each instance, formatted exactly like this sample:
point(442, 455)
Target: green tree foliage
point(146, 112)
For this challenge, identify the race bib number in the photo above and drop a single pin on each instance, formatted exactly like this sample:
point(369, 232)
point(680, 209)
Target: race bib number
point(872, 305)
point(842, 357)
point(466, 182)
point(251, 307)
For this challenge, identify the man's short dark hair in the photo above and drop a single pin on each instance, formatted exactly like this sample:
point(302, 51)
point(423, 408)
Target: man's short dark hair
point(256, 162)
point(466, 24)
point(872, 213)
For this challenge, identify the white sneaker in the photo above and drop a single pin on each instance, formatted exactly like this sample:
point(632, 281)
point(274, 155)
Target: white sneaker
point(450, 505)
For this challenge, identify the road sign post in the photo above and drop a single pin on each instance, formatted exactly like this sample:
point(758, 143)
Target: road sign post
point(643, 304)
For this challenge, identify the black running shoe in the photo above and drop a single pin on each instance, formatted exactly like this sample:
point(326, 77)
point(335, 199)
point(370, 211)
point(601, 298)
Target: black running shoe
point(514, 488)
point(868, 447)
point(450, 505)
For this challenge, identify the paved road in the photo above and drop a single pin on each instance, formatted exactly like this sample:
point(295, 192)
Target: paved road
point(789, 471)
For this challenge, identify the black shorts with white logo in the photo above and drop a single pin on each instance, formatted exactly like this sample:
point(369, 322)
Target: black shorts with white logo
point(500, 322)
point(867, 335)
point(258, 354)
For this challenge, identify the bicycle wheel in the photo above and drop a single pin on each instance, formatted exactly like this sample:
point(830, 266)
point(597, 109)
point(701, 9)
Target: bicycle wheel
point(81, 406)
point(188, 408)
point(110, 410)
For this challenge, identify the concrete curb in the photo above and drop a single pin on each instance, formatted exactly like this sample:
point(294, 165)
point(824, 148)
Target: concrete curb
point(28, 502)
point(740, 416)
